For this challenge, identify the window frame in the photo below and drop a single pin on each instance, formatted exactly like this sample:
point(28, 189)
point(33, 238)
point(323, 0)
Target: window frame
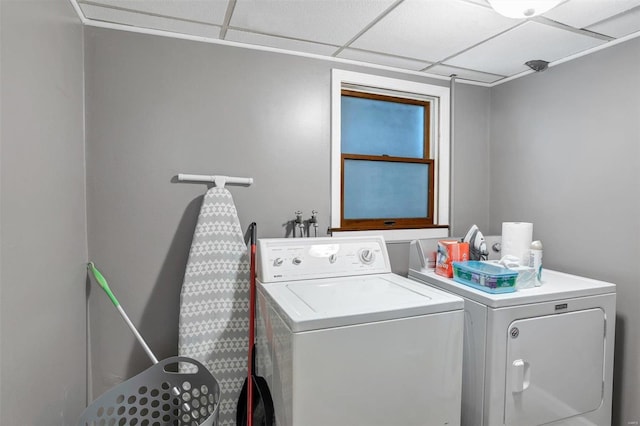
point(393, 223)
point(438, 152)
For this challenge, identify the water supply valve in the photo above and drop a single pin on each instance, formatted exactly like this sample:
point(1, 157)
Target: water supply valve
point(298, 223)
point(314, 221)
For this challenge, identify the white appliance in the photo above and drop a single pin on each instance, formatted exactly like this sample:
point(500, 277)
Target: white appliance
point(541, 355)
point(342, 341)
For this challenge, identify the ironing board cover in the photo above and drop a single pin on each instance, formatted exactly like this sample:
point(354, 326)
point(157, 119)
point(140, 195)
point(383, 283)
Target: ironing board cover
point(214, 302)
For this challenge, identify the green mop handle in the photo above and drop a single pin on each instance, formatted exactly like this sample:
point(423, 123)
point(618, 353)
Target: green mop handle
point(105, 286)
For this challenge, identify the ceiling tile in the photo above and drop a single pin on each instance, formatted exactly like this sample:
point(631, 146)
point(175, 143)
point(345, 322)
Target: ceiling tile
point(582, 13)
point(464, 73)
point(325, 21)
point(147, 21)
point(507, 53)
point(465, 37)
point(280, 43)
point(619, 26)
point(377, 58)
point(209, 11)
point(432, 29)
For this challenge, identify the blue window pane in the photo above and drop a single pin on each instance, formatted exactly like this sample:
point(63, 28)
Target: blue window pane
point(381, 189)
point(373, 127)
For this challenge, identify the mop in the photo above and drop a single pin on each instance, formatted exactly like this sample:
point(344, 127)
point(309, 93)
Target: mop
point(214, 302)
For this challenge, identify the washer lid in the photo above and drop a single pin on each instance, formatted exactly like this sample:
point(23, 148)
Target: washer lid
point(555, 286)
point(336, 302)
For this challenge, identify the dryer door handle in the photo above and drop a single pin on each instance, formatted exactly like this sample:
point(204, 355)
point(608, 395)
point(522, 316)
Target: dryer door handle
point(521, 375)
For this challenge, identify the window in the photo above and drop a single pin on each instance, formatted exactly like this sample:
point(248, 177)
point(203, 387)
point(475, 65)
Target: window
point(390, 150)
point(387, 175)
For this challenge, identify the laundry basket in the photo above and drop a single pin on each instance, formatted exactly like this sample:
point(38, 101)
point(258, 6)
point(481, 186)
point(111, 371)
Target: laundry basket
point(158, 397)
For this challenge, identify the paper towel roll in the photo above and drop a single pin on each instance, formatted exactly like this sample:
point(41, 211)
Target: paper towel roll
point(516, 239)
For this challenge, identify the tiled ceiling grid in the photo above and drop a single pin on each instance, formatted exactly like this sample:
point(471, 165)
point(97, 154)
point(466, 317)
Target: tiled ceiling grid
point(441, 37)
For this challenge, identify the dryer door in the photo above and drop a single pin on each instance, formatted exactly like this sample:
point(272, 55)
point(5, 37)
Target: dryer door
point(554, 367)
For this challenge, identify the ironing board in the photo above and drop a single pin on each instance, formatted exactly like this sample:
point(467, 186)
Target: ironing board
point(214, 303)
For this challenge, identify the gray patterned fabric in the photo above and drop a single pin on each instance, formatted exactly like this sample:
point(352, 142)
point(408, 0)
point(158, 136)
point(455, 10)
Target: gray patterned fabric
point(214, 305)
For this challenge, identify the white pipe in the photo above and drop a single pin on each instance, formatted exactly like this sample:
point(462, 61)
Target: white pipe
point(452, 89)
point(218, 180)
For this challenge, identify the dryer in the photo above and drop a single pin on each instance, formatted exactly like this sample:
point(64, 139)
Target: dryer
point(342, 341)
point(536, 356)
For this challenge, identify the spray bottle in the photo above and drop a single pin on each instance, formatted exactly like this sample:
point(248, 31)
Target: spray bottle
point(535, 260)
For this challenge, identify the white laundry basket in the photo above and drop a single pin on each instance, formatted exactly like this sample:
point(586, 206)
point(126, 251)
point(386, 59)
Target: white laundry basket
point(159, 397)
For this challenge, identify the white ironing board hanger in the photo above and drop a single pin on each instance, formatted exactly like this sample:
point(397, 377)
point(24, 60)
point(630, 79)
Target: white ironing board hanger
point(218, 180)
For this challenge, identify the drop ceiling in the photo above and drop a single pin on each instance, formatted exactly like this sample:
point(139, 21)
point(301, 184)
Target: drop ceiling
point(432, 37)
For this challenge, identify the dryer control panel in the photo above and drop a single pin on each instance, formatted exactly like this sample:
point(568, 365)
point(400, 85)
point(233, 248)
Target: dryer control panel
point(293, 259)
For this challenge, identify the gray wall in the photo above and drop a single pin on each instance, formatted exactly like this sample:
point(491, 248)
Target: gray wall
point(157, 107)
point(42, 214)
point(471, 159)
point(564, 150)
point(562, 153)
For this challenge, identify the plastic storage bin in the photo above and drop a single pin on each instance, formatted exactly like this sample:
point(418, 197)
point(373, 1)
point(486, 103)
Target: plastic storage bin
point(485, 277)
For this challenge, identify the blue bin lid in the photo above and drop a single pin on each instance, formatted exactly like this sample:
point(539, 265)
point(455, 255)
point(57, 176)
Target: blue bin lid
point(485, 268)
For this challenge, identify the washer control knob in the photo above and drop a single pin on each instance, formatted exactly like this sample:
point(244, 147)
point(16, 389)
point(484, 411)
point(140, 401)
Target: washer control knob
point(367, 256)
point(297, 261)
point(278, 262)
point(333, 258)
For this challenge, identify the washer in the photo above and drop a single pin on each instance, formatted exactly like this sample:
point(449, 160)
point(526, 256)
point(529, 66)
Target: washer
point(536, 356)
point(342, 341)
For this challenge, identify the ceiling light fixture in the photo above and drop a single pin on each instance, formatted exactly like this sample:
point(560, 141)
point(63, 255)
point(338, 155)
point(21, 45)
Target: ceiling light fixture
point(522, 9)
